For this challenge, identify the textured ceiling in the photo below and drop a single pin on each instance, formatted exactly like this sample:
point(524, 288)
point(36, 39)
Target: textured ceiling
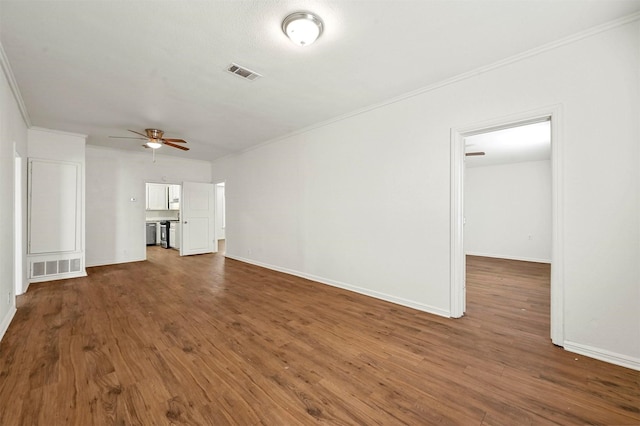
point(101, 67)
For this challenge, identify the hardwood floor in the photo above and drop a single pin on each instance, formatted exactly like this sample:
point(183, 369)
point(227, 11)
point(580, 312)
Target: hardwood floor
point(205, 340)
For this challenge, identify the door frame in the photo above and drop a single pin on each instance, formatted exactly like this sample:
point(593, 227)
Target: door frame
point(457, 254)
point(143, 206)
point(223, 210)
point(18, 216)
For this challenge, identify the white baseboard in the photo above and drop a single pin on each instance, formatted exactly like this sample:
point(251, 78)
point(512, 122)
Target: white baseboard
point(26, 288)
point(58, 277)
point(113, 262)
point(345, 286)
point(4, 325)
point(603, 355)
point(501, 256)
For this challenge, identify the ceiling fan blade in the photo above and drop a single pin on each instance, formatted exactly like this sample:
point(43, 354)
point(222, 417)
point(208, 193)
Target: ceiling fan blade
point(138, 133)
point(174, 140)
point(184, 148)
point(126, 137)
point(474, 154)
point(145, 145)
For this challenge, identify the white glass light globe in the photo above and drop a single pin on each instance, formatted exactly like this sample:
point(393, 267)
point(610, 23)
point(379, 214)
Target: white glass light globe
point(303, 32)
point(302, 28)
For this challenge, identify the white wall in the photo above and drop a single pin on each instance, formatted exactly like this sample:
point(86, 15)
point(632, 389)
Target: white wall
point(115, 224)
point(364, 202)
point(507, 211)
point(13, 132)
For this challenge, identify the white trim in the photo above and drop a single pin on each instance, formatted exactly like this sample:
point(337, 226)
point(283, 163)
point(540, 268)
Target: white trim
point(508, 257)
point(557, 227)
point(11, 79)
point(457, 216)
point(6, 321)
point(19, 254)
point(603, 355)
point(457, 289)
point(58, 132)
point(345, 286)
point(460, 77)
point(114, 262)
point(57, 277)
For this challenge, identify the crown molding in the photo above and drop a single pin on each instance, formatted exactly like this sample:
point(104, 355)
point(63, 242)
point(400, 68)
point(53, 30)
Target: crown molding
point(58, 132)
point(8, 73)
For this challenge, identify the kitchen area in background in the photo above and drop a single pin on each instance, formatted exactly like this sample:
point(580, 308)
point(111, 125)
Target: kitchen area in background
point(163, 215)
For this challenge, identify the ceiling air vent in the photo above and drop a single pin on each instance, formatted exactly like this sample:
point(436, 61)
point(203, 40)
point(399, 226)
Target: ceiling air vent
point(245, 73)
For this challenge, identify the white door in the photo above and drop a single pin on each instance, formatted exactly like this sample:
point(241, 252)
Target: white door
point(197, 209)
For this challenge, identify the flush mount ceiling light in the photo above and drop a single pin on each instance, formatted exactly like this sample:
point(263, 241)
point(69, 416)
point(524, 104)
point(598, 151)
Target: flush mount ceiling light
point(303, 28)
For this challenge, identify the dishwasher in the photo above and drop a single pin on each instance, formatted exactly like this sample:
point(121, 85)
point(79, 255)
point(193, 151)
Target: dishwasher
point(151, 234)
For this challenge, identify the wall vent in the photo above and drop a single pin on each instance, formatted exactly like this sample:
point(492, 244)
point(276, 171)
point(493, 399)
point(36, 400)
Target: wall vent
point(63, 266)
point(243, 72)
point(51, 267)
point(54, 267)
point(38, 269)
point(75, 265)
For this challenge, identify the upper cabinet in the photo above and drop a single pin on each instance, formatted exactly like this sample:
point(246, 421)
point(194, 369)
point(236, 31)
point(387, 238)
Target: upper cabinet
point(174, 197)
point(161, 196)
point(156, 196)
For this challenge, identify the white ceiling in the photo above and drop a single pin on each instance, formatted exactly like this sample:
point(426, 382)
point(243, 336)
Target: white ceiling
point(101, 67)
point(513, 145)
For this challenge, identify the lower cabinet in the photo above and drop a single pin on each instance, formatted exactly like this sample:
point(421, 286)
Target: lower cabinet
point(174, 235)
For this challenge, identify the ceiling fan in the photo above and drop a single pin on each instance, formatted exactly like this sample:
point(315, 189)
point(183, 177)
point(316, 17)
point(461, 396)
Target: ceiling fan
point(155, 140)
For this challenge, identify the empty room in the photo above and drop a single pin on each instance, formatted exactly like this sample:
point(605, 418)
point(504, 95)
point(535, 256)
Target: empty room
point(365, 212)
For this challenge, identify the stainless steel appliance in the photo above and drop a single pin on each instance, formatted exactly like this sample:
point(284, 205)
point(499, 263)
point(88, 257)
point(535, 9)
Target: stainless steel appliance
point(151, 234)
point(164, 234)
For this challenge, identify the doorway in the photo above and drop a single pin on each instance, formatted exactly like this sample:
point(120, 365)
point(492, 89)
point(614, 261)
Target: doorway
point(220, 217)
point(507, 230)
point(162, 215)
point(458, 254)
point(507, 193)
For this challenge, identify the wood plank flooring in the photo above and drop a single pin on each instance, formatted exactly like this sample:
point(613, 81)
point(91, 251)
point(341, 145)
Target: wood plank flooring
point(205, 340)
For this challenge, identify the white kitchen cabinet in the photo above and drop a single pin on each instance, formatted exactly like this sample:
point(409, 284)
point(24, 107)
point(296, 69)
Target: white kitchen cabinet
point(174, 197)
point(157, 196)
point(174, 235)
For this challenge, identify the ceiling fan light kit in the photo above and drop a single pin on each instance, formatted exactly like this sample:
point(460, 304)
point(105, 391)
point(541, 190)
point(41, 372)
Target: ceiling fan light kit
point(155, 139)
point(302, 28)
